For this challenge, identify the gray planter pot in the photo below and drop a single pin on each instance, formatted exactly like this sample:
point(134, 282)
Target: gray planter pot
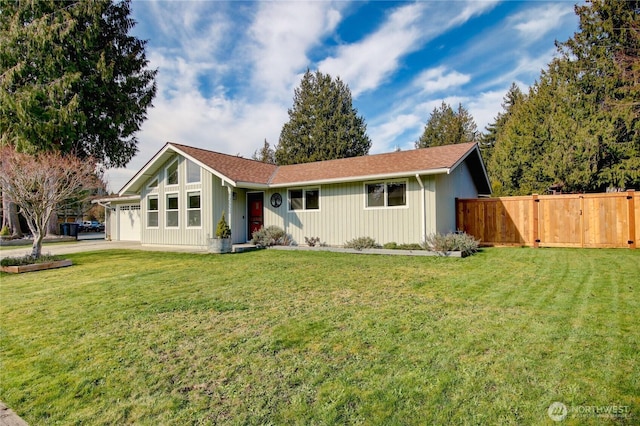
point(220, 245)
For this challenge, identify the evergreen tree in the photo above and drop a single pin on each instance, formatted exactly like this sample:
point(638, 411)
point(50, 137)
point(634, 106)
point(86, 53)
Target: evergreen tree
point(446, 127)
point(266, 154)
point(579, 127)
point(323, 124)
point(488, 140)
point(73, 79)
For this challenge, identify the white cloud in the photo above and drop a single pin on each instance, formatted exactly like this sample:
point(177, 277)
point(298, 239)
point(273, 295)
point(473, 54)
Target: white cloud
point(386, 134)
point(364, 64)
point(473, 8)
point(281, 36)
point(439, 79)
point(534, 24)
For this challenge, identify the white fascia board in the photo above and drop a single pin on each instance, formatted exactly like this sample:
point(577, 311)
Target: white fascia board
point(144, 172)
point(366, 178)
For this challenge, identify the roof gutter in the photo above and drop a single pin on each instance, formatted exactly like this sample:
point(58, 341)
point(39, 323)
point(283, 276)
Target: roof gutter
point(439, 171)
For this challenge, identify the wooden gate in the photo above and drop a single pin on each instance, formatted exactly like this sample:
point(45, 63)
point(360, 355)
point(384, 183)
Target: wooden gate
point(573, 220)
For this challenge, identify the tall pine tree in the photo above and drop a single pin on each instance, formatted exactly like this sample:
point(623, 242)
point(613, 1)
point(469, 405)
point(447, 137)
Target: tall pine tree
point(446, 127)
point(73, 79)
point(579, 127)
point(323, 124)
point(488, 139)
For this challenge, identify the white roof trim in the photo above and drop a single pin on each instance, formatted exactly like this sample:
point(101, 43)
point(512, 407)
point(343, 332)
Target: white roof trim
point(143, 173)
point(363, 178)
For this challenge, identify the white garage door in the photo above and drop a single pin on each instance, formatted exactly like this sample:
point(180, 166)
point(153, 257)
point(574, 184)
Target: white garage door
point(129, 221)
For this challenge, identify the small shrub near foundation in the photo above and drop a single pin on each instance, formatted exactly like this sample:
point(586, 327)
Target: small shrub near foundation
point(361, 243)
point(462, 242)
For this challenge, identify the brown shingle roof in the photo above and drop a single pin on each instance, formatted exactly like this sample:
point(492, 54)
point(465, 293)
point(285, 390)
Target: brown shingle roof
point(403, 162)
point(236, 168)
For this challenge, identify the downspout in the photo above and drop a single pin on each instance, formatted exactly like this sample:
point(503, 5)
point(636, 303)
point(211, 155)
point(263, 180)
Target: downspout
point(424, 209)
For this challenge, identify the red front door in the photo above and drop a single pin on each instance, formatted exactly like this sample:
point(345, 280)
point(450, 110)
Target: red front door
point(256, 211)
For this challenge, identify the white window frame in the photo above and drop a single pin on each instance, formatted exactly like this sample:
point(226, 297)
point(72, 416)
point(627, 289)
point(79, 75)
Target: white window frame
point(386, 184)
point(192, 164)
point(167, 210)
point(167, 175)
point(152, 187)
point(189, 209)
point(156, 211)
point(304, 199)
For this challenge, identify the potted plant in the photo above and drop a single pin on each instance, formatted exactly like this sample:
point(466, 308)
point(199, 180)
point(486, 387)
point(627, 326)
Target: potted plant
point(222, 242)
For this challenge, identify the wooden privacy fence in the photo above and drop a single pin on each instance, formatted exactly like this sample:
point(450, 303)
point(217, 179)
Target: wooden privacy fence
point(574, 220)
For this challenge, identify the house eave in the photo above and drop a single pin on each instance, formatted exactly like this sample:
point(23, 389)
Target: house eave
point(351, 179)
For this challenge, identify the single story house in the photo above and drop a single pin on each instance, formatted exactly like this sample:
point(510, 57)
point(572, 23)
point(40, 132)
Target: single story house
point(178, 197)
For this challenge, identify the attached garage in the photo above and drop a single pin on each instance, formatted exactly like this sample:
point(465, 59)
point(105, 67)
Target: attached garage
point(129, 222)
point(123, 219)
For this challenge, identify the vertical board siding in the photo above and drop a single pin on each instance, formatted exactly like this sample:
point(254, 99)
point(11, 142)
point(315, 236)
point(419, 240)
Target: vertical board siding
point(573, 220)
point(183, 235)
point(342, 216)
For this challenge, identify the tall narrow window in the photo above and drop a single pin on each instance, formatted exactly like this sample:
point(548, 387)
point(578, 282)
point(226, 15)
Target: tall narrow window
point(193, 172)
point(172, 210)
point(172, 173)
point(153, 184)
point(295, 199)
point(396, 194)
point(152, 211)
point(193, 209)
point(375, 195)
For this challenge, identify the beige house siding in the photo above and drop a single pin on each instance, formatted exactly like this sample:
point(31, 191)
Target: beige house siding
point(457, 184)
point(343, 215)
point(211, 194)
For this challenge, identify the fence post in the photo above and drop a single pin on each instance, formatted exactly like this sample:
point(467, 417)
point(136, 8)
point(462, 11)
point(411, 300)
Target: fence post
point(631, 209)
point(536, 231)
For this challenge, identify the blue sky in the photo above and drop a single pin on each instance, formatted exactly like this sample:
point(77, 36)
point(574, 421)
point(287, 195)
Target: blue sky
point(228, 70)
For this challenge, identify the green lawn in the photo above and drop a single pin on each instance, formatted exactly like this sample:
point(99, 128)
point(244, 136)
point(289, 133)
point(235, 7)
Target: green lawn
point(274, 337)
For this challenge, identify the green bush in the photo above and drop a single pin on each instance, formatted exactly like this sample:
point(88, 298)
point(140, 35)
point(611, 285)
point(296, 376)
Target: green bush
point(28, 260)
point(395, 246)
point(271, 236)
point(5, 232)
point(362, 243)
point(223, 230)
point(462, 242)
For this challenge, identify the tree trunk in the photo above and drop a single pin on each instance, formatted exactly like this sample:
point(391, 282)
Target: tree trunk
point(10, 216)
point(36, 250)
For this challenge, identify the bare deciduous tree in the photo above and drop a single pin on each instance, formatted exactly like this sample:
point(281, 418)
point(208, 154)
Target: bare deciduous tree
point(38, 183)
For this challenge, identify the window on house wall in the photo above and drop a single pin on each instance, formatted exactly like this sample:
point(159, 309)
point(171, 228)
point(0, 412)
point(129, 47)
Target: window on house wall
point(193, 172)
point(193, 209)
point(304, 199)
point(172, 211)
point(386, 194)
point(152, 211)
point(172, 173)
point(153, 184)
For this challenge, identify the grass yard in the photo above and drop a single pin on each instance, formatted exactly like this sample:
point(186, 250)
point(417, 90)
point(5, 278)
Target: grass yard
point(274, 337)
